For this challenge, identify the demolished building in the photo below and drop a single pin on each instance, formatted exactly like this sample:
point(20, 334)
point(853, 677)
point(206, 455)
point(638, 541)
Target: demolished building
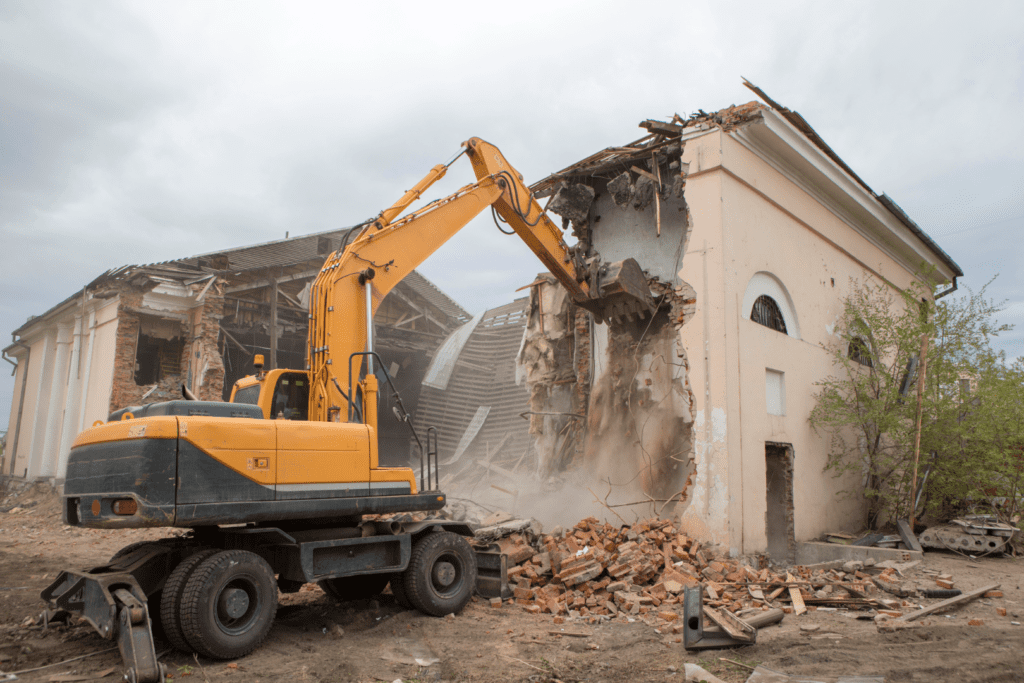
point(752, 231)
point(137, 333)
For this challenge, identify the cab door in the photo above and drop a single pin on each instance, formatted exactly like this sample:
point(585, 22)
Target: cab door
point(322, 460)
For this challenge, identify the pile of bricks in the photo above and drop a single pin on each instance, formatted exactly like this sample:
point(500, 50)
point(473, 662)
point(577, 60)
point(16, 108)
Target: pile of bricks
point(597, 570)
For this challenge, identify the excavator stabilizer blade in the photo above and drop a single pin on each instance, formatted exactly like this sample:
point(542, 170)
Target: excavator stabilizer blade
point(623, 291)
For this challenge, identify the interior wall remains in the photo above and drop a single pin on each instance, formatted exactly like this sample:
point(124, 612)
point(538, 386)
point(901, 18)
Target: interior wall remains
point(613, 410)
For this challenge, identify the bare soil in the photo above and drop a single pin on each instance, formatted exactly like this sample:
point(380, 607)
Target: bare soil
point(317, 639)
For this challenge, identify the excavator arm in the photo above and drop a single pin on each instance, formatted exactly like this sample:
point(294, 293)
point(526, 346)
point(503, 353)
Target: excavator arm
point(354, 280)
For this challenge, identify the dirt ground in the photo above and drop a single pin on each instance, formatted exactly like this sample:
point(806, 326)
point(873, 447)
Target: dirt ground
point(316, 639)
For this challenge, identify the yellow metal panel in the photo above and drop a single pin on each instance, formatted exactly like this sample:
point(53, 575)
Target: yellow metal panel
point(159, 427)
point(394, 474)
point(322, 452)
point(249, 447)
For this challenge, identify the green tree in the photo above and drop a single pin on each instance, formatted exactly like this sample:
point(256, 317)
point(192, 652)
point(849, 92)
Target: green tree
point(868, 407)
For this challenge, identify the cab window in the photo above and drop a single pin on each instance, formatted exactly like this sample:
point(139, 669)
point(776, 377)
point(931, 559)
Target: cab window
point(291, 397)
point(249, 395)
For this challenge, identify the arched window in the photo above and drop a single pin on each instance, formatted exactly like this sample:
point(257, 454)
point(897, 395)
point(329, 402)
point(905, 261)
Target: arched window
point(766, 312)
point(767, 302)
point(860, 351)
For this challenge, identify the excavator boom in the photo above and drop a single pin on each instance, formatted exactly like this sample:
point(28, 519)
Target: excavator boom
point(354, 280)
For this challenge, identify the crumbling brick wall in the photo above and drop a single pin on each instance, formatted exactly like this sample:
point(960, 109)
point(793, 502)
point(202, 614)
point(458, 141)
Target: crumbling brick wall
point(202, 367)
point(202, 362)
point(123, 391)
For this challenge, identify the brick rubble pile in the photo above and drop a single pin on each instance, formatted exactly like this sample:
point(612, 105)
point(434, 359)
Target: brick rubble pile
point(600, 571)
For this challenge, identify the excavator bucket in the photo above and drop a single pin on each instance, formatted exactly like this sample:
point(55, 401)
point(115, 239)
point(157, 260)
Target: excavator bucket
point(622, 291)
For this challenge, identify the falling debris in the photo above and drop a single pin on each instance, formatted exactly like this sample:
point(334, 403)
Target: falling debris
point(572, 202)
point(621, 189)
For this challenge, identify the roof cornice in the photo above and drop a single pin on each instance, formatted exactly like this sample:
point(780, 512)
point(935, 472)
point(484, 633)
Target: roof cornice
point(783, 146)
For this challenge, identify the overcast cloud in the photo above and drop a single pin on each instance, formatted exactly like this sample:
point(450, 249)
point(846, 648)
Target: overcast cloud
point(134, 132)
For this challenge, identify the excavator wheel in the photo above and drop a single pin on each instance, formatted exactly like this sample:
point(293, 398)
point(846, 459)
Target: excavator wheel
point(170, 602)
point(228, 605)
point(441, 574)
point(360, 587)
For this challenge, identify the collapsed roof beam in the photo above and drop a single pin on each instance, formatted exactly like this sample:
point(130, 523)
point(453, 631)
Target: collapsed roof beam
point(266, 282)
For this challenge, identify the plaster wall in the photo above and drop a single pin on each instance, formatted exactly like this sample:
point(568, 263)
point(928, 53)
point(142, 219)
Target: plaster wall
point(634, 234)
point(101, 365)
point(710, 515)
point(56, 391)
point(30, 415)
point(19, 379)
point(816, 257)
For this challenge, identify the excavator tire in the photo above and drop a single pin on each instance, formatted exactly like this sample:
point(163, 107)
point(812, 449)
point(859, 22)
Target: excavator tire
point(228, 605)
point(360, 587)
point(441, 574)
point(170, 602)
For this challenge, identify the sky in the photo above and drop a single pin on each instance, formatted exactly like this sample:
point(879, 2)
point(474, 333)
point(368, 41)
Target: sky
point(136, 132)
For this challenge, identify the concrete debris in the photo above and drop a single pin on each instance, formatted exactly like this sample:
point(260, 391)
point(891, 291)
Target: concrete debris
point(621, 190)
point(572, 202)
point(643, 193)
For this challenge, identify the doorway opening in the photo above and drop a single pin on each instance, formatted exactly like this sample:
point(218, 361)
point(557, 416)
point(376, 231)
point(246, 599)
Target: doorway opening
point(778, 523)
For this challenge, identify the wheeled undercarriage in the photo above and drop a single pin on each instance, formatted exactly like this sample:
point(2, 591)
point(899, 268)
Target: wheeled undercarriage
point(214, 591)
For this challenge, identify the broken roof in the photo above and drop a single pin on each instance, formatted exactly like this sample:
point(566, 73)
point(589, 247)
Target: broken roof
point(297, 255)
point(664, 139)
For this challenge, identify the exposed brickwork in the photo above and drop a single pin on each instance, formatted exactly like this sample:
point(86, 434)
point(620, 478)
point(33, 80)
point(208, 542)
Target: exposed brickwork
point(581, 390)
point(201, 348)
point(124, 392)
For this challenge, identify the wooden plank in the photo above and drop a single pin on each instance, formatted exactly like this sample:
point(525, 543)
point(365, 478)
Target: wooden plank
point(939, 606)
point(727, 625)
point(796, 597)
point(908, 536)
point(640, 171)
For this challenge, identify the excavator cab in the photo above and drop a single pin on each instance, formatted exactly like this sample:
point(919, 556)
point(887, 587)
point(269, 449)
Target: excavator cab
point(287, 398)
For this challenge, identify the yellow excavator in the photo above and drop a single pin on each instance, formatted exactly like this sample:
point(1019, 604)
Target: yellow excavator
point(273, 503)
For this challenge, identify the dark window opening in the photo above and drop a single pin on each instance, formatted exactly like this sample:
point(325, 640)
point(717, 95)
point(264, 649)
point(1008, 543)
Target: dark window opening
point(157, 358)
point(766, 312)
point(860, 351)
point(291, 397)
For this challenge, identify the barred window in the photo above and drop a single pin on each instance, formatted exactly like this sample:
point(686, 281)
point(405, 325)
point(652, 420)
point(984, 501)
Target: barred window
point(860, 351)
point(766, 312)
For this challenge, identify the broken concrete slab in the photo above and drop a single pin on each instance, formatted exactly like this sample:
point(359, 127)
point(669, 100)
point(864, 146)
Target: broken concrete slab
point(572, 201)
point(908, 536)
point(621, 190)
point(813, 552)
